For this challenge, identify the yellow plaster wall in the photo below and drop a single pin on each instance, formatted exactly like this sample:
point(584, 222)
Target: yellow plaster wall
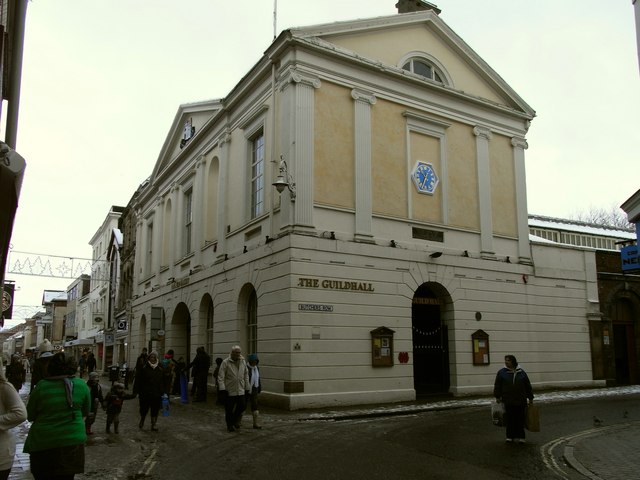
point(462, 171)
point(388, 159)
point(390, 45)
point(503, 194)
point(334, 146)
point(426, 148)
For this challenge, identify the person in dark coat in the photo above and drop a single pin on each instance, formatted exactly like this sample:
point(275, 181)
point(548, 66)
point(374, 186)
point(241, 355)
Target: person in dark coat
point(113, 405)
point(149, 386)
point(200, 371)
point(142, 359)
point(15, 372)
point(97, 400)
point(512, 387)
point(91, 362)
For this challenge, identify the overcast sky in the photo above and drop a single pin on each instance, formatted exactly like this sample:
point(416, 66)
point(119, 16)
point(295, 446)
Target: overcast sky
point(103, 79)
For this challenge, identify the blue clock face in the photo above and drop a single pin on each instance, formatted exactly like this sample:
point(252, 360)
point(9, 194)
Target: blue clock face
point(425, 178)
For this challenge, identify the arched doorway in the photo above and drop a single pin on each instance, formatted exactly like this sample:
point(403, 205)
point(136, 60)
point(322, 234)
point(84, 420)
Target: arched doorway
point(624, 342)
point(180, 339)
point(430, 306)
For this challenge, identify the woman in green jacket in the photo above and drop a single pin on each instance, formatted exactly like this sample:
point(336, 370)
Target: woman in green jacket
point(57, 407)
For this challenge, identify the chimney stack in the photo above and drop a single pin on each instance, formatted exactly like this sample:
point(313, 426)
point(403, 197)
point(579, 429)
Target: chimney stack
point(409, 6)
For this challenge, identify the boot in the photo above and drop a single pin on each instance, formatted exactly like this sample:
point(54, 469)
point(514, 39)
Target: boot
point(256, 420)
point(141, 424)
point(238, 423)
point(153, 424)
point(115, 427)
point(108, 426)
point(88, 430)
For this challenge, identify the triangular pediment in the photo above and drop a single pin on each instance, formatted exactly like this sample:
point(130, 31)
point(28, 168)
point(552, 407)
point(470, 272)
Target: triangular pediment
point(190, 120)
point(386, 42)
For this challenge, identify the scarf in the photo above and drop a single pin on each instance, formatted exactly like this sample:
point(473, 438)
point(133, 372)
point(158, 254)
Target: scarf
point(254, 377)
point(153, 365)
point(68, 389)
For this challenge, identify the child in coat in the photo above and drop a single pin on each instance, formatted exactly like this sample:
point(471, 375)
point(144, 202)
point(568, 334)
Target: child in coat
point(96, 400)
point(113, 405)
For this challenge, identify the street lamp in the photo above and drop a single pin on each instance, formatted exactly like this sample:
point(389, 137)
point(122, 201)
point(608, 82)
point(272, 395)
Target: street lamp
point(284, 179)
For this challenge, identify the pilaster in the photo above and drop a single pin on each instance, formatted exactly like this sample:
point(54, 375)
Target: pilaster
point(364, 208)
point(299, 142)
point(524, 250)
point(483, 136)
point(224, 144)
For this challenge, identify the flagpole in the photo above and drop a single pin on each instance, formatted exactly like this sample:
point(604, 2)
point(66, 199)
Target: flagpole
point(275, 18)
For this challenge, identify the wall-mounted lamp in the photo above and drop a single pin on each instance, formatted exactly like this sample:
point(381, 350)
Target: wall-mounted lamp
point(508, 260)
point(268, 239)
point(435, 254)
point(244, 250)
point(284, 179)
point(465, 253)
point(393, 244)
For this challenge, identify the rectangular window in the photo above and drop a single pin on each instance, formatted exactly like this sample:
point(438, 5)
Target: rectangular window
point(188, 219)
point(257, 175)
point(252, 324)
point(149, 248)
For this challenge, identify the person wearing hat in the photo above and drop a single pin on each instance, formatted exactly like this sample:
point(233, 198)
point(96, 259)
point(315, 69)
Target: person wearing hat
point(39, 370)
point(254, 382)
point(56, 408)
point(113, 405)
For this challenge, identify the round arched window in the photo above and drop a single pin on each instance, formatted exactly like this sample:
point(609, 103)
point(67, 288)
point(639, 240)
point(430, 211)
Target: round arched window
point(420, 66)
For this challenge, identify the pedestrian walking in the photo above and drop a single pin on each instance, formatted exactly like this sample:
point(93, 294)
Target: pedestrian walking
point(91, 362)
point(26, 364)
point(254, 383)
point(57, 408)
point(169, 365)
point(113, 405)
point(149, 386)
point(82, 364)
point(12, 413)
point(179, 376)
point(15, 372)
point(233, 379)
point(40, 365)
point(97, 400)
point(512, 387)
point(200, 371)
point(142, 359)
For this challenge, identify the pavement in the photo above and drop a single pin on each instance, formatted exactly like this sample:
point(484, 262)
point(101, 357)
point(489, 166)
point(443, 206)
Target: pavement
point(601, 453)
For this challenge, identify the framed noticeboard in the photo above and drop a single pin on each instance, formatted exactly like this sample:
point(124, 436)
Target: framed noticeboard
point(382, 347)
point(480, 348)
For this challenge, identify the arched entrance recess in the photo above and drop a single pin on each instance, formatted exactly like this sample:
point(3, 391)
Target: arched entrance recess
point(248, 319)
point(625, 342)
point(431, 306)
point(180, 339)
